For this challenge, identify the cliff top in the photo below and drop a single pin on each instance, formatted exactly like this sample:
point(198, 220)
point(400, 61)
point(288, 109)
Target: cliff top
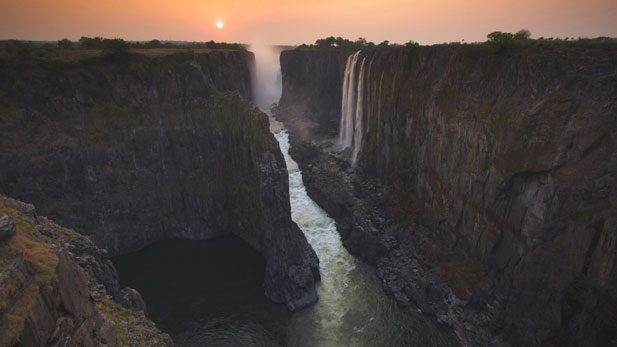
point(71, 55)
point(529, 45)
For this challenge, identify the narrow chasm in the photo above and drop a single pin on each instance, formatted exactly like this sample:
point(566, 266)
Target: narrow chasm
point(210, 292)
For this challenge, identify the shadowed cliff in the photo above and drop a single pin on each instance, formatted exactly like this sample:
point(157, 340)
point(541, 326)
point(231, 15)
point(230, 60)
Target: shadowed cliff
point(492, 175)
point(131, 149)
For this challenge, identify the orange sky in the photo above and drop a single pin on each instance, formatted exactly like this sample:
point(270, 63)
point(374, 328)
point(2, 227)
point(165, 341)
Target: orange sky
point(292, 21)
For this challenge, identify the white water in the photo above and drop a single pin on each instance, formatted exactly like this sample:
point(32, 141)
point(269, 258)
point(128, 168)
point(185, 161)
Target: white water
point(352, 308)
point(352, 106)
point(357, 133)
point(348, 104)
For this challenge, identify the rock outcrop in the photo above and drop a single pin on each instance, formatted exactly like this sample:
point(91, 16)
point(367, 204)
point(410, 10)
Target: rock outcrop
point(131, 149)
point(484, 189)
point(7, 226)
point(55, 289)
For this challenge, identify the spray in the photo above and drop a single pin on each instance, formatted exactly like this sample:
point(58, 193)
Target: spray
point(266, 75)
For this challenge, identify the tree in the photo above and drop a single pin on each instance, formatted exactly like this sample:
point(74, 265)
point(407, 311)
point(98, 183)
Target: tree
point(65, 44)
point(523, 34)
point(327, 42)
point(498, 41)
point(384, 44)
point(412, 43)
point(361, 41)
point(91, 43)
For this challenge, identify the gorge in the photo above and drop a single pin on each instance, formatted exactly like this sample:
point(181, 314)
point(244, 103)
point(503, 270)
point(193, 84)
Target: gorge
point(420, 196)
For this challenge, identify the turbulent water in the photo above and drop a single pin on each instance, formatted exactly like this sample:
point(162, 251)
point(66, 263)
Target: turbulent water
point(352, 308)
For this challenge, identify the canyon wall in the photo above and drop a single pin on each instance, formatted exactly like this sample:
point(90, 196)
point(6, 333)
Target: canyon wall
point(131, 149)
point(484, 188)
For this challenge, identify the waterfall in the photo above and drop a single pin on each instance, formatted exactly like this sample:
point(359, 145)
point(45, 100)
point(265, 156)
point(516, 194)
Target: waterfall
point(352, 106)
point(357, 126)
point(348, 105)
point(266, 76)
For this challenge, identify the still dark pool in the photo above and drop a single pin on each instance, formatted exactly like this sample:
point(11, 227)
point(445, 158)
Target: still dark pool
point(206, 293)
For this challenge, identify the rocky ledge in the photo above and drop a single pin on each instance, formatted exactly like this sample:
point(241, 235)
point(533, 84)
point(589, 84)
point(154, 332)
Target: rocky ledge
point(57, 288)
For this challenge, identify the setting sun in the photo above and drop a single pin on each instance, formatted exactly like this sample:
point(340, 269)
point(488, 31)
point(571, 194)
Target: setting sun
point(219, 25)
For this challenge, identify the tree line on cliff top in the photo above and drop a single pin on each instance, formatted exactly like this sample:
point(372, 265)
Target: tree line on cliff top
point(114, 45)
point(496, 41)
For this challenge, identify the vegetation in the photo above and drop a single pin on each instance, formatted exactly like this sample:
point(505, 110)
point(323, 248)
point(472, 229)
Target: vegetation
point(91, 43)
point(498, 40)
point(115, 46)
point(523, 34)
point(65, 44)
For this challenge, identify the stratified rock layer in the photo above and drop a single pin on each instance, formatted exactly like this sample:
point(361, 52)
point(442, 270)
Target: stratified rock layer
point(485, 186)
point(132, 149)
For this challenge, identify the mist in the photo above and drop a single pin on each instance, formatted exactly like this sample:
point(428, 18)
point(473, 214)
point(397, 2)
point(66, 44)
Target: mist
point(267, 81)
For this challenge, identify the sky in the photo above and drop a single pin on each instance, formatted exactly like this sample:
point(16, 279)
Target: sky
point(295, 22)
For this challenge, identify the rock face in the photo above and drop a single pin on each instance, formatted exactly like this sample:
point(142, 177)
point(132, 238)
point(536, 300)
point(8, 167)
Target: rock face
point(56, 289)
point(485, 188)
point(134, 149)
point(7, 227)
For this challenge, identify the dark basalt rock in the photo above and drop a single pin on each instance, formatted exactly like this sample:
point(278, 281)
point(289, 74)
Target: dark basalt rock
point(135, 149)
point(485, 187)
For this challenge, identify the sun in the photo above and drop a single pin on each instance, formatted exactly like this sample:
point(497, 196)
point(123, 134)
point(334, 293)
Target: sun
point(219, 25)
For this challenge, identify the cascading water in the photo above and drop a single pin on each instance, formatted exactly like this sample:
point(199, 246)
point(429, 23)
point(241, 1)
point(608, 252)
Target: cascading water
point(357, 125)
point(348, 104)
point(352, 106)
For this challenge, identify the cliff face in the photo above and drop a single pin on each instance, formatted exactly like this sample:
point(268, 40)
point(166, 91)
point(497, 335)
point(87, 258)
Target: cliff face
point(56, 289)
point(493, 177)
point(133, 149)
